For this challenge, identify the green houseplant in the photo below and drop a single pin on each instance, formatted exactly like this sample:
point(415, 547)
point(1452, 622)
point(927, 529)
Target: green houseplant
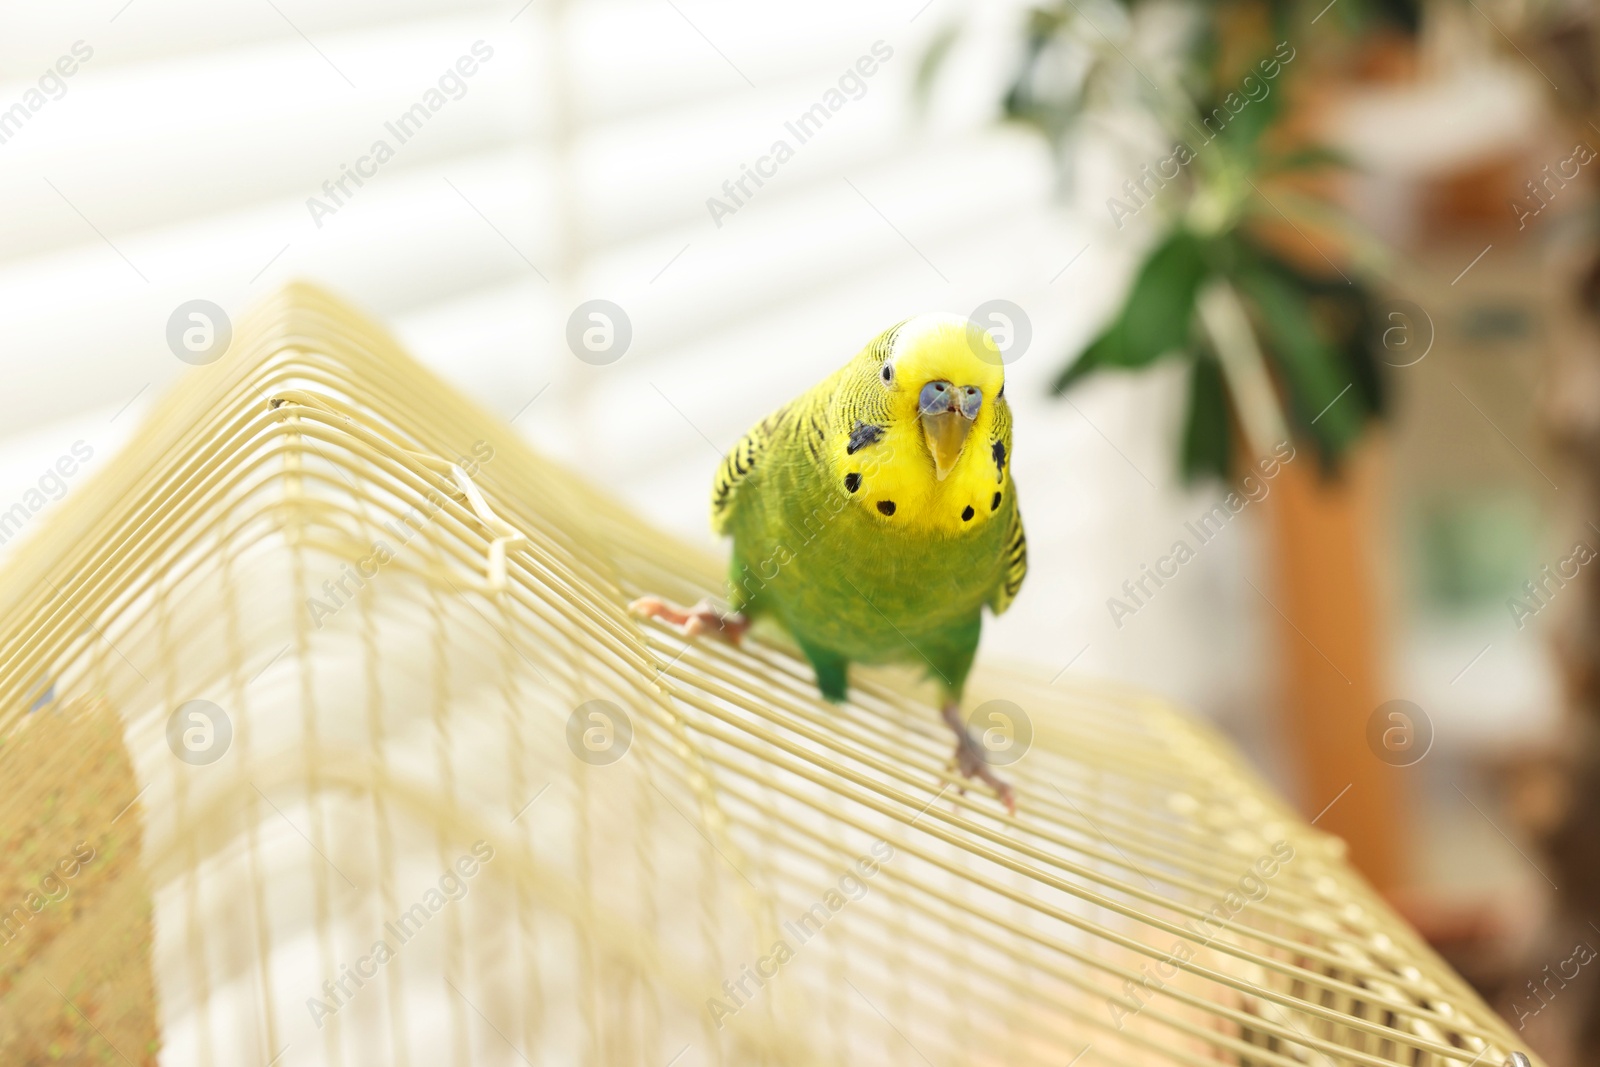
point(1279, 339)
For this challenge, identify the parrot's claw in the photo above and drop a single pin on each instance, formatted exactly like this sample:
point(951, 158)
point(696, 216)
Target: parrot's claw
point(968, 759)
point(703, 618)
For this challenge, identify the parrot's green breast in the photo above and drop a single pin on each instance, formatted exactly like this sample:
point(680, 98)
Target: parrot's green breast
point(850, 589)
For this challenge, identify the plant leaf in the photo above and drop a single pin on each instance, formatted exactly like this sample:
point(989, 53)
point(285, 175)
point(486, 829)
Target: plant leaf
point(1244, 129)
point(1155, 319)
point(1349, 315)
point(1160, 308)
point(1309, 364)
point(1091, 358)
point(1207, 435)
point(1310, 158)
point(932, 62)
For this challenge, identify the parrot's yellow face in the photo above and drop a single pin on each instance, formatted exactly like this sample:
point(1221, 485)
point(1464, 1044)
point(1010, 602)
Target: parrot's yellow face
point(922, 432)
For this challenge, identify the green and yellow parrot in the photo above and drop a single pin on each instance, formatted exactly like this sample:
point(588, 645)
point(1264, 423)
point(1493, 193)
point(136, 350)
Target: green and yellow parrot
point(874, 516)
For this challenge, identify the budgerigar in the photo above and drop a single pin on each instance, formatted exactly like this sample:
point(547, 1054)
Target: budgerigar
point(874, 516)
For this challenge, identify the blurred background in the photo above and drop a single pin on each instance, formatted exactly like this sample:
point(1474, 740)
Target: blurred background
point(1311, 291)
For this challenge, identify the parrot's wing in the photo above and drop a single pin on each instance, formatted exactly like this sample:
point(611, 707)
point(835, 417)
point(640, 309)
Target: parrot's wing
point(737, 465)
point(1016, 566)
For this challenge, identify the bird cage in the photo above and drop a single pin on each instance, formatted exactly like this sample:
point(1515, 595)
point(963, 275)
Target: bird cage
point(328, 740)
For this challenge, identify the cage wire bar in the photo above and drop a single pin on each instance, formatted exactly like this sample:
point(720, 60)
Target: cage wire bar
point(409, 620)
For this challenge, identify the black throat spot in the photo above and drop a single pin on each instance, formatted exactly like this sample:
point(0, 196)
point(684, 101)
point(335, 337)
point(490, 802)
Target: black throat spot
point(886, 507)
point(999, 453)
point(863, 435)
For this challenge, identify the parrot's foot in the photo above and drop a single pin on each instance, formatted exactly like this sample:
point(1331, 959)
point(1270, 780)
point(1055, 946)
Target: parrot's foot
point(969, 759)
point(703, 618)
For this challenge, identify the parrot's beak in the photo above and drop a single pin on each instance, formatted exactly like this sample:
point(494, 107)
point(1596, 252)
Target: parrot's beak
point(947, 413)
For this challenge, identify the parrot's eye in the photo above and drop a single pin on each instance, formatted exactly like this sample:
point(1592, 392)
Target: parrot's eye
point(888, 372)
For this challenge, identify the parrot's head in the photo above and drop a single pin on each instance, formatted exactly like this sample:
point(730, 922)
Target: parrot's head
point(923, 431)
